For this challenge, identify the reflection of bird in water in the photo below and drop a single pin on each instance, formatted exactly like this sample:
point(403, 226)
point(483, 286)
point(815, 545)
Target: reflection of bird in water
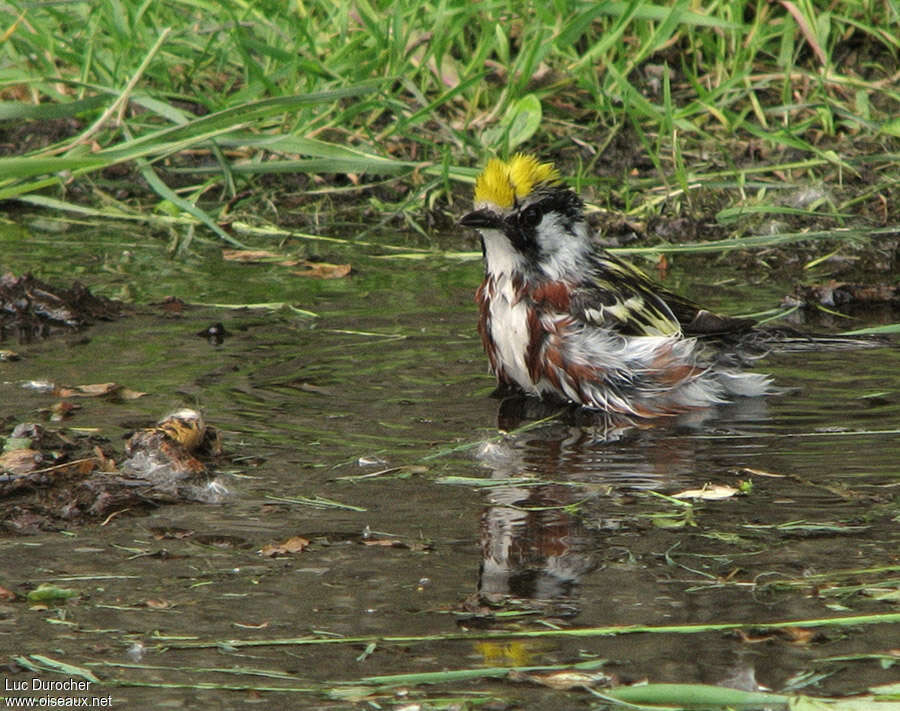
point(542, 532)
point(531, 547)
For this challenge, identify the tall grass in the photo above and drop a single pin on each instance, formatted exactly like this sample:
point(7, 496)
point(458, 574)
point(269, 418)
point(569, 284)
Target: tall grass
point(204, 100)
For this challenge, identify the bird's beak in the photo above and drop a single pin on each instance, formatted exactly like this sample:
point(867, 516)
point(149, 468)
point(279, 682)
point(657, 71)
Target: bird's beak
point(482, 218)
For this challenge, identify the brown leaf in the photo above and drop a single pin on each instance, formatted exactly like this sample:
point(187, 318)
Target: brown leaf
point(104, 463)
point(248, 256)
point(91, 390)
point(20, 461)
point(62, 409)
point(709, 492)
point(87, 465)
point(6, 595)
point(295, 544)
point(564, 680)
point(798, 635)
point(323, 270)
point(247, 626)
point(158, 604)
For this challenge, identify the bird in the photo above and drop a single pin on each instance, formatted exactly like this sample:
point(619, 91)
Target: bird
point(563, 319)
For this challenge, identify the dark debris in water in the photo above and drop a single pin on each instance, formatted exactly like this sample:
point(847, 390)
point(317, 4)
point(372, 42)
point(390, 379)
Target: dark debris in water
point(845, 294)
point(50, 480)
point(215, 333)
point(31, 309)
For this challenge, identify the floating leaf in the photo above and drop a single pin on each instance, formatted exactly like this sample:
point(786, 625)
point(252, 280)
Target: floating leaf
point(294, 544)
point(317, 270)
point(710, 492)
point(158, 604)
point(250, 255)
point(323, 270)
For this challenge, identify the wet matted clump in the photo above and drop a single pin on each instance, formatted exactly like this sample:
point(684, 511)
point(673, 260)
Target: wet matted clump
point(31, 309)
point(50, 480)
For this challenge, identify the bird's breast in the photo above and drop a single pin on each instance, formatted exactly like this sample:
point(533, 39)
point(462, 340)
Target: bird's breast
point(505, 327)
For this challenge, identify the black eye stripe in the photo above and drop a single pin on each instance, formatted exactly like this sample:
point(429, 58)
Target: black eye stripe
point(520, 226)
point(532, 215)
point(563, 201)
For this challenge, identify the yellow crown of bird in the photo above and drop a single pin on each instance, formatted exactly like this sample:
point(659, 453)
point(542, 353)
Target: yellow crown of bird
point(501, 182)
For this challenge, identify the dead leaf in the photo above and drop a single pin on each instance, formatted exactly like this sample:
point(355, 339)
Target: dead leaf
point(7, 595)
point(295, 544)
point(798, 635)
point(62, 409)
point(709, 492)
point(248, 256)
point(20, 461)
point(92, 390)
point(104, 463)
point(159, 604)
point(244, 626)
point(564, 680)
point(96, 390)
point(324, 270)
point(316, 270)
point(87, 465)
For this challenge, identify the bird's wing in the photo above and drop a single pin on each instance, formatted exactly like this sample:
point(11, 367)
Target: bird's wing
point(616, 295)
point(619, 296)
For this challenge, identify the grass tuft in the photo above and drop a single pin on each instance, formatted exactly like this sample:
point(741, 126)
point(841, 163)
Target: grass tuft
point(217, 111)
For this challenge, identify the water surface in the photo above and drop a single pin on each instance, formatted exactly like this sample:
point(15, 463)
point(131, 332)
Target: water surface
point(440, 523)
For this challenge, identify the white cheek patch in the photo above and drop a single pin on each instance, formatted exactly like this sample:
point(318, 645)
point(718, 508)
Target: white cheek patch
point(562, 251)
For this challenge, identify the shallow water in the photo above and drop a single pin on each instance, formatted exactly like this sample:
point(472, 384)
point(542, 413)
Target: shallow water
point(382, 404)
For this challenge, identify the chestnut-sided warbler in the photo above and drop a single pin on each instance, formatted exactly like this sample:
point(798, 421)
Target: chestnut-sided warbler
point(561, 317)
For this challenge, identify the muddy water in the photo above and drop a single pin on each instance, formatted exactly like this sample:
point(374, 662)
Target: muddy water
point(436, 524)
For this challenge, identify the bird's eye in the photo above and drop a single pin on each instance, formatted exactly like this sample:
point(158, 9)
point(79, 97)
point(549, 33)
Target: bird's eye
point(530, 216)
